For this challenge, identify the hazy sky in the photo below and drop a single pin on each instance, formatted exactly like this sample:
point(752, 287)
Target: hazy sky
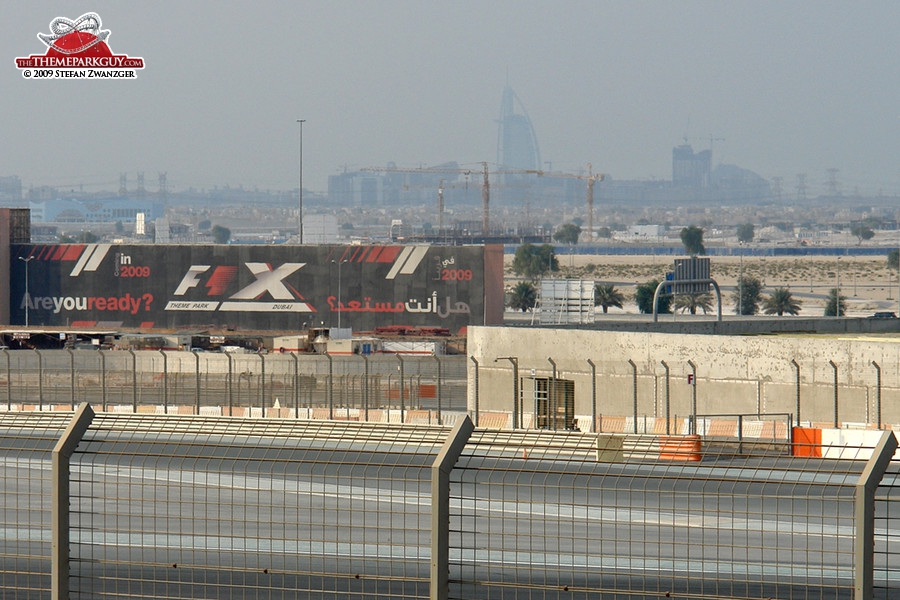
point(791, 87)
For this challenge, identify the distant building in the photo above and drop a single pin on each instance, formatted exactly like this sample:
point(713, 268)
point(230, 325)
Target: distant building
point(517, 150)
point(356, 188)
point(107, 210)
point(320, 229)
point(517, 145)
point(10, 190)
point(690, 169)
point(643, 233)
point(393, 186)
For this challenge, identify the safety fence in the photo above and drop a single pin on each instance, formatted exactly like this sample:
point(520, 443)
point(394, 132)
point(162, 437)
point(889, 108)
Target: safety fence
point(606, 396)
point(129, 505)
point(247, 384)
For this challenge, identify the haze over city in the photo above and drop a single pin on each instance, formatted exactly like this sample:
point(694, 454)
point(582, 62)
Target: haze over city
point(777, 88)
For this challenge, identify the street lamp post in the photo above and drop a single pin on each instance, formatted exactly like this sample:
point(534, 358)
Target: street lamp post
point(837, 304)
point(27, 295)
point(839, 273)
point(300, 187)
point(741, 283)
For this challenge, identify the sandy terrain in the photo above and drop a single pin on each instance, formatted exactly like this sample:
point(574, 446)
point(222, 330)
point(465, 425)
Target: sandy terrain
point(866, 282)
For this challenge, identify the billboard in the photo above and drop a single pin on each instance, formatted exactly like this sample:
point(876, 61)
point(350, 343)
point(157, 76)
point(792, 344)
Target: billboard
point(250, 287)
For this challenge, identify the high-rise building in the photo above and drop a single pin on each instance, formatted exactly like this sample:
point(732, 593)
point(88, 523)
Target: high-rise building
point(517, 146)
point(689, 168)
point(10, 190)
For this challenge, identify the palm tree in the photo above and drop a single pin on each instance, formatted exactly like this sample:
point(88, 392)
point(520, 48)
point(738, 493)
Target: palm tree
point(607, 295)
point(836, 305)
point(781, 301)
point(643, 296)
point(523, 297)
point(746, 295)
point(692, 238)
point(692, 302)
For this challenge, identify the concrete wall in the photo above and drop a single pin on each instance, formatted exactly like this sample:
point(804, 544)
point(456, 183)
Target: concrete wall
point(734, 374)
point(731, 325)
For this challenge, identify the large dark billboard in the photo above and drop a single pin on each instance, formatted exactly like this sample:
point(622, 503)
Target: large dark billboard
point(254, 287)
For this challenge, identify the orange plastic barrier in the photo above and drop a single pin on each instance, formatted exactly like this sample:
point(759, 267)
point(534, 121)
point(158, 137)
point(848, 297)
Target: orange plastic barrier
point(807, 442)
point(680, 447)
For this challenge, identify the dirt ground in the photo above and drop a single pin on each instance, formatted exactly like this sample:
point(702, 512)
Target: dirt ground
point(865, 281)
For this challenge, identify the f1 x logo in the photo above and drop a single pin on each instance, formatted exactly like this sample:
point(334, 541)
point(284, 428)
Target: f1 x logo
point(267, 280)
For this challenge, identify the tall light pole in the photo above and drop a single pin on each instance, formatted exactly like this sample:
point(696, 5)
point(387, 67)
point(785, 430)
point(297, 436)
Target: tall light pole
point(839, 273)
point(837, 305)
point(300, 188)
point(741, 282)
point(27, 295)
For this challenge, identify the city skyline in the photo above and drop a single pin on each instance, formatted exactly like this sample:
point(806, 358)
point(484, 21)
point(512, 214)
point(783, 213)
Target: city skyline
point(779, 89)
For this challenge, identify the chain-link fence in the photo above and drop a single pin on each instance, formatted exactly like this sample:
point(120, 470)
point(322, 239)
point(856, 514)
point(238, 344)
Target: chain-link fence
point(26, 441)
point(203, 507)
point(236, 384)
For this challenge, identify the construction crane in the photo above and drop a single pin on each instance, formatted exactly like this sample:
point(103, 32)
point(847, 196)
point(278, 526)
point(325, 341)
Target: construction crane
point(440, 202)
point(485, 187)
point(591, 178)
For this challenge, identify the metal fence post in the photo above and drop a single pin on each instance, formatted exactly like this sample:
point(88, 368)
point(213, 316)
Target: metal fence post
point(439, 588)
point(365, 386)
point(133, 379)
point(693, 397)
point(230, 384)
point(40, 379)
point(551, 389)
point(877, 392)
point(71, 376)
point(514, 361)
point(59, 510)
point(634, 390)
point(864, 513)
point(593, 396)
point(835, 368)
point(262, 384)
point(330, 386)
point(197, 377)
point(440, 418)
point(102, 376)
point(402, 391)
point(668, 400)
point(797, 366)
point(474, 412)
point(165, 382)
point(296, 385)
